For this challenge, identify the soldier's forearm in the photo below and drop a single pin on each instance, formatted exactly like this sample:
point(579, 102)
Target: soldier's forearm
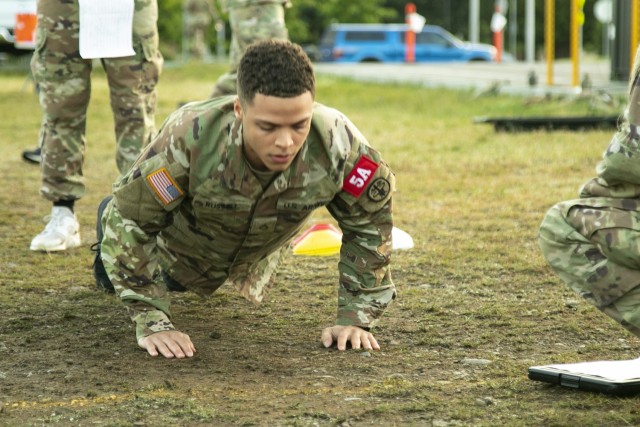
point(150, 322)
point(365, 307)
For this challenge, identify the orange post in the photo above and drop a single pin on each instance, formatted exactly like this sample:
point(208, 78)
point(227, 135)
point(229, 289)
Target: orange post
point(410, 36)
point(498, 42)
point(498, 22)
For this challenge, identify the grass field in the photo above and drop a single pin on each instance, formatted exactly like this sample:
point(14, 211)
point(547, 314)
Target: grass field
point(477, 303)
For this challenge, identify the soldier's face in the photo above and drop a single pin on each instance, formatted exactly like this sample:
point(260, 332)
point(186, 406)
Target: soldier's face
point(274, 129)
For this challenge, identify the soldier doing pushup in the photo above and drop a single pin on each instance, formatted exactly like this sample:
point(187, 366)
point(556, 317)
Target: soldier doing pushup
point(226, 185)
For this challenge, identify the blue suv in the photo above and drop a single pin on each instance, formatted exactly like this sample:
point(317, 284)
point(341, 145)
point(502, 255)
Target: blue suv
point(386, 43)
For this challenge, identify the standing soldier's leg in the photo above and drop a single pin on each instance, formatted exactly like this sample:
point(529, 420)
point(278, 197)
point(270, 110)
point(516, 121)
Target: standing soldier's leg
point(250, 24)
point(132, 84)
point(595, 248)
point(63, 78)
point(200, 42)
point(64, 81)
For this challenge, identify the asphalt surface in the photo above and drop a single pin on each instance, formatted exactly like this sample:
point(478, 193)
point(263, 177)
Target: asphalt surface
point(508, 78)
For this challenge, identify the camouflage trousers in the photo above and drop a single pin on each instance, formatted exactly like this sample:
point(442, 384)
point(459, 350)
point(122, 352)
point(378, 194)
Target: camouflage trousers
point(593, 244)
point(249, 24)
point(197, 24)
point(197, 42)
point(65, 87)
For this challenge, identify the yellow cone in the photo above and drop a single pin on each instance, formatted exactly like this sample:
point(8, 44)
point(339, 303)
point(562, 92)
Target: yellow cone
point(318, 240)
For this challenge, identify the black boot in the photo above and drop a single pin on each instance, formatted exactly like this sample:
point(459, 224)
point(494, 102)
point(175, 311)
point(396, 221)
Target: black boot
point(172, 285)
point(32, 156)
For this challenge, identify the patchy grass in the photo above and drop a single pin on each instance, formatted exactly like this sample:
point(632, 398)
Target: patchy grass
point(475, 286)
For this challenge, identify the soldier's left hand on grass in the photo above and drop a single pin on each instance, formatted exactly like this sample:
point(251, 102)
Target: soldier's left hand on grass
point(168, 343)
point(358, 337)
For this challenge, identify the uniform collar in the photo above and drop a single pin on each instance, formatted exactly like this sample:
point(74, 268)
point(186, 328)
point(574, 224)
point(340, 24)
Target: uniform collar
point(236, 174)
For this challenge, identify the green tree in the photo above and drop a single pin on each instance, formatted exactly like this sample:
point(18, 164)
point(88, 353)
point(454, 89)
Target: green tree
point(307, 19)
point(170, 26)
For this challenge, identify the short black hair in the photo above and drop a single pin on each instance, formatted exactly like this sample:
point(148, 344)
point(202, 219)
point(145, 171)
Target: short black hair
point(274, 68)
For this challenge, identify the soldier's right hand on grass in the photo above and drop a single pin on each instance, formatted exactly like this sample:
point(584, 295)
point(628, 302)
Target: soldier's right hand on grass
point(356, 336)
point(168, 343)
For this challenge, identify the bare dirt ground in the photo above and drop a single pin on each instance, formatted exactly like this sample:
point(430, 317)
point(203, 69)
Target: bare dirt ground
point(68, 356)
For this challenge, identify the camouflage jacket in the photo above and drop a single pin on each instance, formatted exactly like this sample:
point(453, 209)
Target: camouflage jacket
point(618, 174)
point(192, 206)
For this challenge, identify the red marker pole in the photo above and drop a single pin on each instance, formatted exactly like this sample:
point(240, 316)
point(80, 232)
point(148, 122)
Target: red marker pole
point(410, 36)
point(497, 42)
point(498, 33)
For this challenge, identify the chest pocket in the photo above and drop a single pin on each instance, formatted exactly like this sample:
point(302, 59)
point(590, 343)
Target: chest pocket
point(296, 210)
point(265, 225)
point(231, 214)
point(292, 214)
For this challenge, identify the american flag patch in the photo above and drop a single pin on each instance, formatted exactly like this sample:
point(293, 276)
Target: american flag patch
point(164, 186)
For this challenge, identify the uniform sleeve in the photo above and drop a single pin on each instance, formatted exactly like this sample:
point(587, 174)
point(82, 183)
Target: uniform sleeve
point(363, 211)
point(618, 174)
point(143, 204)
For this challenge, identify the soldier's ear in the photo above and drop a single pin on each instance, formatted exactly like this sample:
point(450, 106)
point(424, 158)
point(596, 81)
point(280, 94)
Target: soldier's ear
point(237, 108)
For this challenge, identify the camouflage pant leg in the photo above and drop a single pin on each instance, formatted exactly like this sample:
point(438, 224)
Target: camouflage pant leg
point(64, 81)
point(225, 85)
point(595, 249)
point(626, 311)
point(132, 84)
point(198, 43)
point(250, 24)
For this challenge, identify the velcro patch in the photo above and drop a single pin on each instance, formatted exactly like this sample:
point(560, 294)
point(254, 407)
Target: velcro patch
point(379, 190)
point(360, 176)
point(164, 186)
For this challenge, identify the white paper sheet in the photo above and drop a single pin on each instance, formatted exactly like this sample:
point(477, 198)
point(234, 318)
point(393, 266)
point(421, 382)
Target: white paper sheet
point(616, 370)
point(106, 28)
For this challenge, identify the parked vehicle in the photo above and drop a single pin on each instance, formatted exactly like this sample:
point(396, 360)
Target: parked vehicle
point(21, 13)
point(386, 43)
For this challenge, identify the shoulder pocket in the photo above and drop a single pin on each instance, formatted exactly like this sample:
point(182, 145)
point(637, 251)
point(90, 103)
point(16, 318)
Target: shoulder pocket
point(38, 65)
point(140, 198)
point(375, 193)
point(161, 179)
point(379, 190)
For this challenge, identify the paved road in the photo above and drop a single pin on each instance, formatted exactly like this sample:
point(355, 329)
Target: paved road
point(509, 78)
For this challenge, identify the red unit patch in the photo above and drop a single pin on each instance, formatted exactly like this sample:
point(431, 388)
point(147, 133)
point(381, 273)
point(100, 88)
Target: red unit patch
point(360, 176)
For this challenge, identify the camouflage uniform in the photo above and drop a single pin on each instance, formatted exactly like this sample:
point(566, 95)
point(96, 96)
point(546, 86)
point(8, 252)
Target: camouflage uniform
point(593, 243)
point(211, 222)
point(250, 21)
point(64, 81)
point(199, 14)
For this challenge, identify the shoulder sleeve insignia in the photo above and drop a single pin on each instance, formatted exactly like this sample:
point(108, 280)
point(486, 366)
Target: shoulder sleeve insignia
point(164, 185)
point(360, 175)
